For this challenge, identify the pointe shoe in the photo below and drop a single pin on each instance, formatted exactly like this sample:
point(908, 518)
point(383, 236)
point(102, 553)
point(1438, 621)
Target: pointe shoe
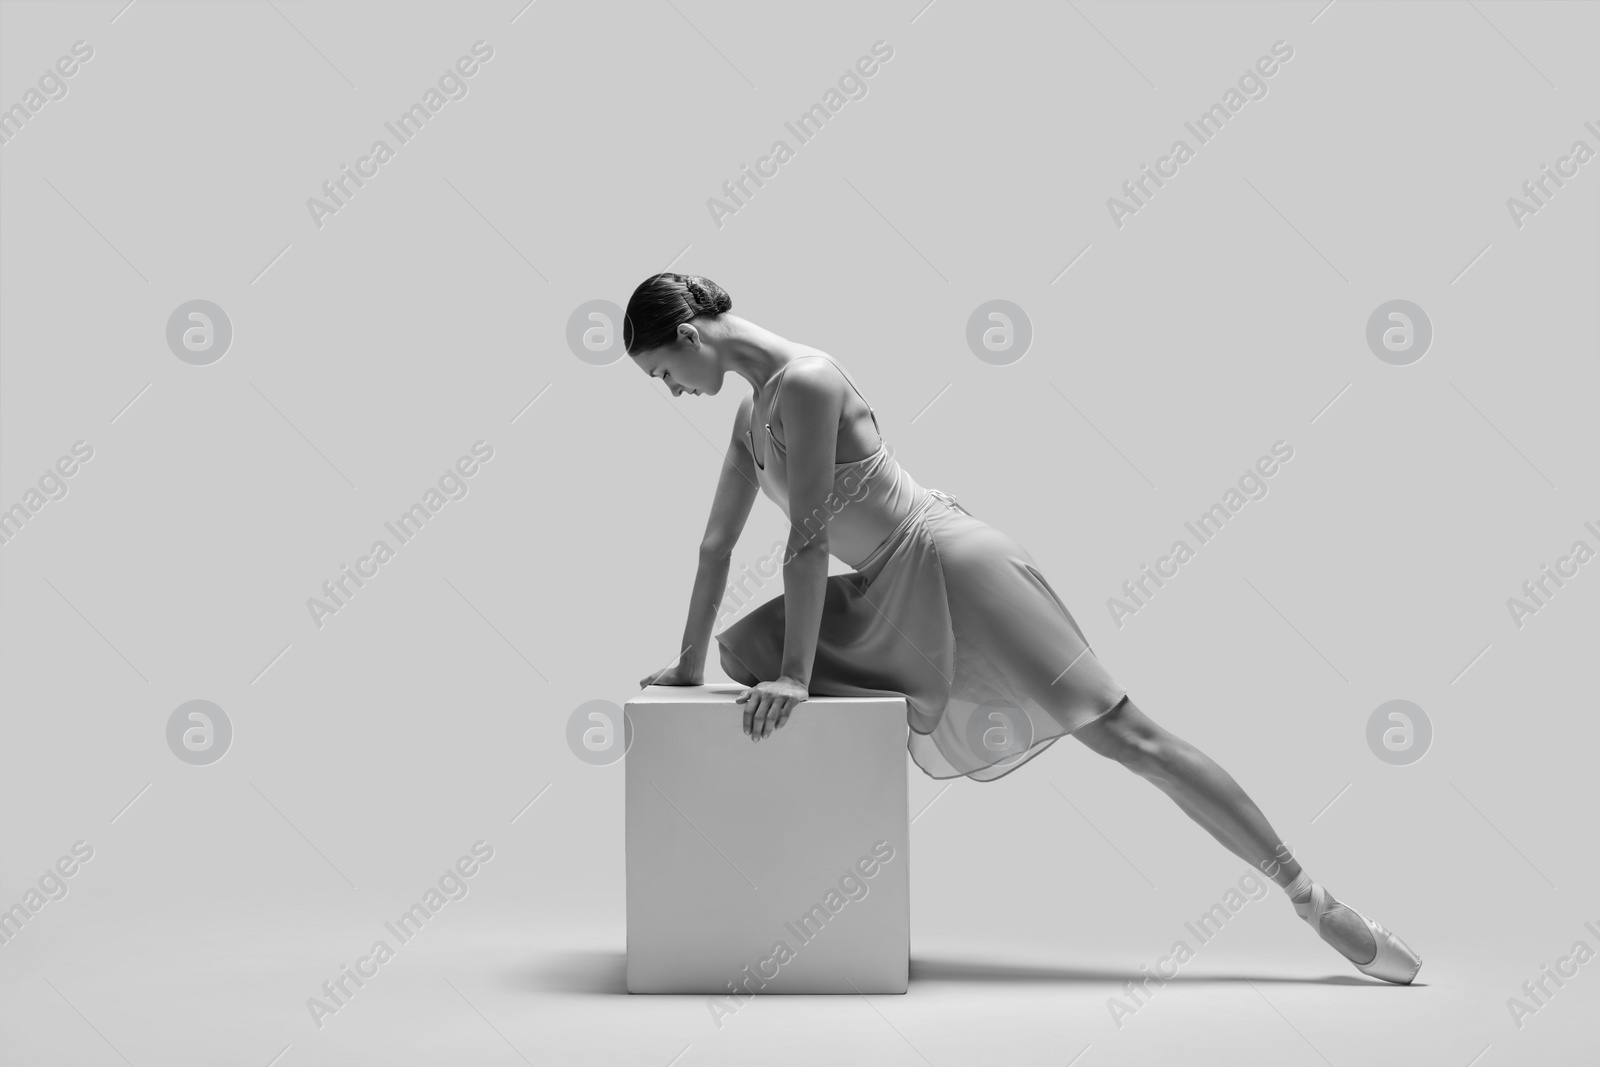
point(1395, 962)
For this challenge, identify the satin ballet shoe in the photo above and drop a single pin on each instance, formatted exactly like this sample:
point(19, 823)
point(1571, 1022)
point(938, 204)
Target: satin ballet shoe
point(1395, 962)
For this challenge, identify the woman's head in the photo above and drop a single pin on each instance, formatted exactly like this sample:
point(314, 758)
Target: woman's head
point(662, 330)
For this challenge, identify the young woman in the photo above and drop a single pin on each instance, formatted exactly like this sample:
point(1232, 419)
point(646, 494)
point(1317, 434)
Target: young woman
point(942, 608)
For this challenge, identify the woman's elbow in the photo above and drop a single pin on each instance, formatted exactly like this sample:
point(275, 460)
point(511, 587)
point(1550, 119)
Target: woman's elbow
point(716, 551)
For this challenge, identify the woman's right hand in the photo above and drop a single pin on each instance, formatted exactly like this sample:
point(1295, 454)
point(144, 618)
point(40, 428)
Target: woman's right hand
point(677, 674)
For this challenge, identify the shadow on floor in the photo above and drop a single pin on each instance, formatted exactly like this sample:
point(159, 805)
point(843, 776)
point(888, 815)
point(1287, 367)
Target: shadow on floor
point(573, 972)
point(929, 969)
point(606, 973)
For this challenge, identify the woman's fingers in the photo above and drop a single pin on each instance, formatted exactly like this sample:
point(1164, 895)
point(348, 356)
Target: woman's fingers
point(779, 713)
point(760, 725)
point(754, 708)
point(758, 722)
point(764, 711)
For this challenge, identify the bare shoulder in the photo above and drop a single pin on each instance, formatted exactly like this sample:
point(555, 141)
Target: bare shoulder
point(813, 381)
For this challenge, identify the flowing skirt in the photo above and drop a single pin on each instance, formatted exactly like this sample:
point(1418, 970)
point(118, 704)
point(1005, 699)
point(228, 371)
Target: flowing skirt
point(955, 616)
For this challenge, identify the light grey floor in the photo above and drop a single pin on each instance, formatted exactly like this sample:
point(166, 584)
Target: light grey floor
point(532, 971)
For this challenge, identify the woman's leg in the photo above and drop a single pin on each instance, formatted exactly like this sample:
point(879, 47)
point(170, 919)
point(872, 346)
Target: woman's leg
point(736, 669)
point(1210, 796)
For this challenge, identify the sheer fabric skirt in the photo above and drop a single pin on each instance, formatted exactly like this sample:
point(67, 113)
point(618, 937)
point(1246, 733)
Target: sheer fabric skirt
point(953, 615)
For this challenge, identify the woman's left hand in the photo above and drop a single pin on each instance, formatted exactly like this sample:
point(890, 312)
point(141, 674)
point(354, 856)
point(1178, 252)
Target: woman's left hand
point(767, 705)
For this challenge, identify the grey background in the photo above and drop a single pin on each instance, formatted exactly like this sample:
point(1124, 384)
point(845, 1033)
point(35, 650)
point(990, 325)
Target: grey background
point(369, 355)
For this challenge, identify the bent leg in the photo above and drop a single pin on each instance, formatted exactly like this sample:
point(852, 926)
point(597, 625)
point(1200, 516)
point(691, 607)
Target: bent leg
point(737, 670)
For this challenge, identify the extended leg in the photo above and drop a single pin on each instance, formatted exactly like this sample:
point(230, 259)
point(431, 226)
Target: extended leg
point(1210, 796)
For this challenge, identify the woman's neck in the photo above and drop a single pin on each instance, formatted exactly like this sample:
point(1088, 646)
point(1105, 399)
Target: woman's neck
point(756, 354)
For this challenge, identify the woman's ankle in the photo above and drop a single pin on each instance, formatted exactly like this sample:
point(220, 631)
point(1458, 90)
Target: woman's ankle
point(1299, 888)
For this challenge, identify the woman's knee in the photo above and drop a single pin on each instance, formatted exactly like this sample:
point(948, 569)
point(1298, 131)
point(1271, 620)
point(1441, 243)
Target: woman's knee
point(736, 669)
point(1127, 735)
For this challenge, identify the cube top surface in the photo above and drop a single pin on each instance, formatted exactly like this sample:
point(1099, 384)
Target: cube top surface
point(723, 693)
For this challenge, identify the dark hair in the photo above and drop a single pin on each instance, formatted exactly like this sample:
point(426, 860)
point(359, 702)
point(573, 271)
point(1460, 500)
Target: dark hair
point(665, 301)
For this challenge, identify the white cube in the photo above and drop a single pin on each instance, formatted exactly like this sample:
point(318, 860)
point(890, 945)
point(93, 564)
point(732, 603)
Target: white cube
point(778, 866)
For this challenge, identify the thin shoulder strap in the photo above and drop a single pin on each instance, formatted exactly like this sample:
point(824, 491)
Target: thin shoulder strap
point(852, 382)
point(773, 406)
point(864, 400)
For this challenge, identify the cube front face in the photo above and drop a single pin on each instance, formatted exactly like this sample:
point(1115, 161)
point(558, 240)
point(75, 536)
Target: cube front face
point(779, 866)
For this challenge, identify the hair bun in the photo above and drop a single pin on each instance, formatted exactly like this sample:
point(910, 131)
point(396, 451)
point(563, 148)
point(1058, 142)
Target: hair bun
point(709, 297)
point(665, 301)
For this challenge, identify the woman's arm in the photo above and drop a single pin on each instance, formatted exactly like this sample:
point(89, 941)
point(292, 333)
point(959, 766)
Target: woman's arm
point(810, 407)
point(736, 492)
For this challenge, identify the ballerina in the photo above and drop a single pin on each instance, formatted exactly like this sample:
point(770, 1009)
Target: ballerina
point(941, 608)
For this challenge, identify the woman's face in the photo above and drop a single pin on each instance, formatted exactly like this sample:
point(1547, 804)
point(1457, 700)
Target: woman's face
point(688, 366)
